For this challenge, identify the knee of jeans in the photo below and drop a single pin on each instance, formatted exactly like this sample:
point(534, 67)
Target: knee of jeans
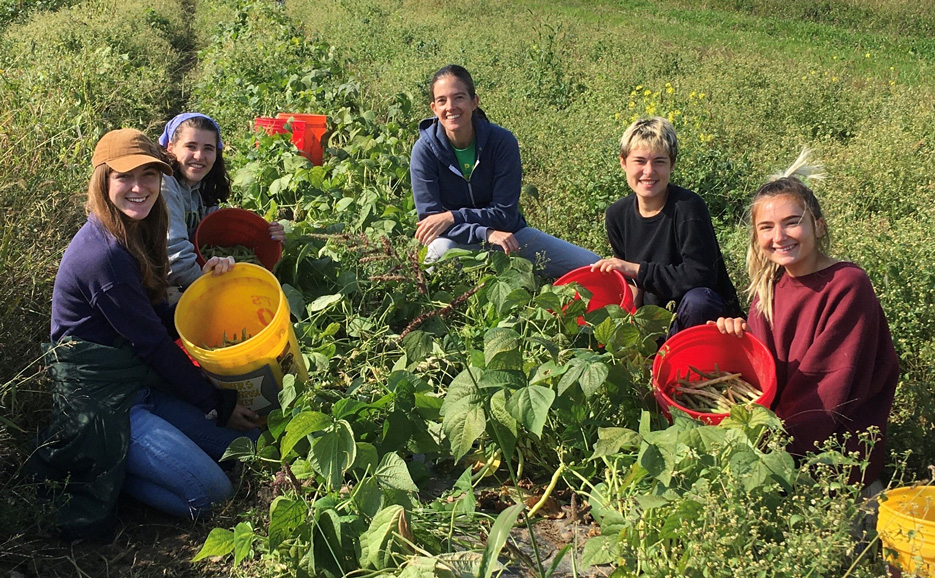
point(437, 248)
point(701, 303)
point(215, 489)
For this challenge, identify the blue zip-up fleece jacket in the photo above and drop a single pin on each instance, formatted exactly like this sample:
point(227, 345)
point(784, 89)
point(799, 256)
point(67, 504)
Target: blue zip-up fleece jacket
point(489, 200)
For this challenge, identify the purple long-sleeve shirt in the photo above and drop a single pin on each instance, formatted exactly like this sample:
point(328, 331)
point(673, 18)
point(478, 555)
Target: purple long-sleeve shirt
point(99, 297)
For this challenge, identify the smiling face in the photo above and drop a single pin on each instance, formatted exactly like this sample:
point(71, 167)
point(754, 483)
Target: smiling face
point(135, 193)
point(196, 150)
point(648, 174)
point(788, 234)
point(454, 107)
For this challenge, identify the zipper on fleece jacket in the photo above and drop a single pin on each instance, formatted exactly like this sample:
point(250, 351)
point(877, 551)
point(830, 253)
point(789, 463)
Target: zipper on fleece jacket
point(458, 172)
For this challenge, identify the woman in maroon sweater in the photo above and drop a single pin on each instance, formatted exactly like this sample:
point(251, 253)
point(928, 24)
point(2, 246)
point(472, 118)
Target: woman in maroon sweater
point(835, 363)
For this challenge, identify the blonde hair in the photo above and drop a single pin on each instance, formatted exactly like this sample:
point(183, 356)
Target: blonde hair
point(654, 133)
point(764, 273)
point(145, 239)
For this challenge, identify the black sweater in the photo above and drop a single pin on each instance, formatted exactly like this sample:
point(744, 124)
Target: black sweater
point(676, 248)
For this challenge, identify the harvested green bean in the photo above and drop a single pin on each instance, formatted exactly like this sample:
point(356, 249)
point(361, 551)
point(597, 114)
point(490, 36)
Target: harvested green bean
point(240, 253)
point(225, 342)
point(712, 391)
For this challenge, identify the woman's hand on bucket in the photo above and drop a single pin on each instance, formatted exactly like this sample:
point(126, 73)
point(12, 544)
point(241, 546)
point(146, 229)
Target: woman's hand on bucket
point(730, 325)
point(277, 232)
point(243, 419)
point(218, 265)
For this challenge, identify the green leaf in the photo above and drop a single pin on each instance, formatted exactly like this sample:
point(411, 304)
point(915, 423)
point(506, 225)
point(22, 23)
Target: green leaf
point(505, 424)
point(497, 538)
point(463, 424)
point(324, 302)
point(571, 375)
point(600, 550)
point(501, 349)
point(285, 515)
point(510, 379)
point(687, 511)
point(287, 395)
point(530, 407)
point(497, 293)
point(464, 385)
point(295, 299)
point(366, 460)
point(377, 544)
point(333, 453)
point(418, 345)
point(547, 371)
point(243, 541)
point(393, 473)
point(465, 504)
point(368, 497)
point(515, 298)
point(346, 407)
point(593, 377)
point(240, 449)
point(220, 542)
point(302, 425)
point(499, 262)
point(548, 301)
point(650, 502)
point(612, 439)
point(419, 567)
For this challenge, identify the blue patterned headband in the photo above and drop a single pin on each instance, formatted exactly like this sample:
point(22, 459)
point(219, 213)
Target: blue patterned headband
point(173, 125)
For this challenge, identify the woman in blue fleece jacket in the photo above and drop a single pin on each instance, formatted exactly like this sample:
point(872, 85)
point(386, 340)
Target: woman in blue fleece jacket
point(466, 180)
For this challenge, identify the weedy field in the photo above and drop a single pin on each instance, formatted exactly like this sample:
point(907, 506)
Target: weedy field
point(443, 410)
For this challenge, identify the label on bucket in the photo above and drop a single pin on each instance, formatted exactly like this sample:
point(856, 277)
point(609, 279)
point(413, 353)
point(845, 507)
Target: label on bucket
point(256, 390)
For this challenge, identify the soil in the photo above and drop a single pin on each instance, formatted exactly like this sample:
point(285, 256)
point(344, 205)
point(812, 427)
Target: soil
point(148, 544)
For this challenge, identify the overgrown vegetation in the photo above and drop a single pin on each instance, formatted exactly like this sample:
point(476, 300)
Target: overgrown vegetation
point(426, 389)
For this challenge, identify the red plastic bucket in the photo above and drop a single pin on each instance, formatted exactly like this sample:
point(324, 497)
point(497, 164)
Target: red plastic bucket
point(316, 125)
point(230, 227)
point(703, 346)
point(283, 126)
point(606, 288)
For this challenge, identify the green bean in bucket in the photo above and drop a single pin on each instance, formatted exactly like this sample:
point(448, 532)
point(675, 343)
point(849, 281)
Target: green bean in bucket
point(228, 342)
point(712, 391)
point(240, 253)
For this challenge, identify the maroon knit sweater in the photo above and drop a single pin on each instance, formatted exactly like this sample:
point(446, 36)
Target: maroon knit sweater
point(835, 363)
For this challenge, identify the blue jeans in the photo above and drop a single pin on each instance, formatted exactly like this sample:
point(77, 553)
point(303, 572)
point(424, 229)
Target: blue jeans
point(172, 460)
point(558, 256)
point(697, 307)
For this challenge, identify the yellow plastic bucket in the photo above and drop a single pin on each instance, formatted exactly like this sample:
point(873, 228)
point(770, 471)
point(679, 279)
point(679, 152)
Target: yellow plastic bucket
point(906, 525)
point(247, 298)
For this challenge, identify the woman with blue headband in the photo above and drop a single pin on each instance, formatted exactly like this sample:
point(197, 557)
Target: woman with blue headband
point(200, 183)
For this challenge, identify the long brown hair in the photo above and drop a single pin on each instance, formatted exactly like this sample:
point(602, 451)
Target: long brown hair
point(144, 239)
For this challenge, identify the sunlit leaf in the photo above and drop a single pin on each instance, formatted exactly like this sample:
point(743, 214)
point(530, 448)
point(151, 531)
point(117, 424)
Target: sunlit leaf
point(220, 542)
point(530, 407)
point(377, 544)
point(243, 541)
point(324, 302)
point(393, 473)
point(333, 453)
point(302, 425)
point(285, 515)
point(613, 439)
